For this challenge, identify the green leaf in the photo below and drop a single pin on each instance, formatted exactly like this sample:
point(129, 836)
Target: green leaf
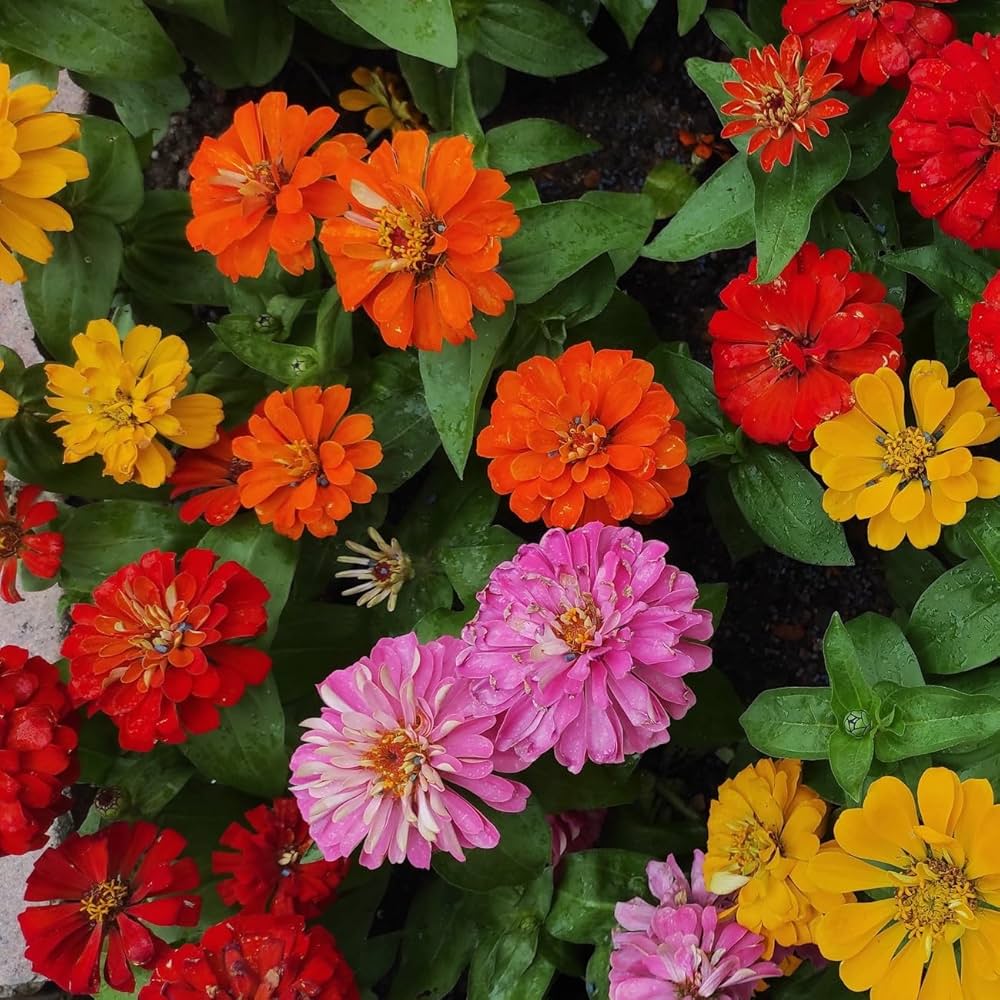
point(738, 537)
point(261, 39)
point(431, 87)
point(424, 28)
point(791, 722)
point(469, 560)
point(731, 29)
point(442, 622)
point(149, 781)
point(714, 721)
point(717, 216)
point(359, 898)
point(591, 884)
point(534, 142)
point(464, 119)
point(930, 719)
point(118, 38)
point(635, 215)
point(532, 37)
point(114, 187)
point(712, 597)
point(688, 14)
point(866, 126)
point(521, 856)
point(883, 652)
point(76, 285)
point(321, 14)
point(981, 526)
point(781, 502)
point(693, 389)
point(102, 537)
point(597, 786)
point(630, 16)
point(850, 690)
point(670, 185)
point(909, 572)
point(787, 196)
point(142, 977)
point(249, 339)
point(143, 106)
point(851, 760)
point(455, 381)
point(710, 78)
point(209, 12)
point(948, 268)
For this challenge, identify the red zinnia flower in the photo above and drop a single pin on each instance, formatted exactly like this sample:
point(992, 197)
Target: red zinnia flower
point(255, 958)
point(946, 138)
point(779, 102)
point(984, 340)
point(268, 871)
point(106, 887)
point(785, 353)
point(155, 650)
point(212, 472)
point(40, 551)
point(870, 41)
point(37, 740)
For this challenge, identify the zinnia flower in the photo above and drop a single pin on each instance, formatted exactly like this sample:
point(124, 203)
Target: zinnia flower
point(870, 42)
point(304, 459)
point(382, 571)
point(984, 340)
point(779, 102)
point(9, 406)
point(103, 889)
point(155, 651)
point(587, 437)
point(574, 830)
point(38, 738)
point(396, 746)
point(211, 475)
point(420, 245)
point(785, 353)
point(686, 947)
point(763, 829)
point(935, 878)
point(118, 397)
point(261, 186)
point(581, 644)
point(269, 873)
point(384, 99)
point(33, 167)
point(40, 551)
point(946, 137)
point(255, 958)
point(905, 479)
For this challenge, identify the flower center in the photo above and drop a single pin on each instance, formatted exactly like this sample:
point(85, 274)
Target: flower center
point(986, 119)
point(10, 539)
point(786, 351)
point(408, 242)
point(858, 6)
point(300, 460)
point(397, 757)
point(290, 855)
point(104, 900)
point(937, 900)
point(578, 626)
point(750, 847)
point(119, 411)
point(781, 107)
point(907, 452)
point(581, 439)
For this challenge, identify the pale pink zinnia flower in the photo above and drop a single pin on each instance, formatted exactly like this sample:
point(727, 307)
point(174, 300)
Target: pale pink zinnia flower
point(581, 643)
point(683, 948)
point(394, 748)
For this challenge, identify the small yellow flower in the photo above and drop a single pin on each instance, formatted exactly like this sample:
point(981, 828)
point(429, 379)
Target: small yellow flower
point(382, 571)
point(8, 404)
point(763, 829)
point(33, 167)
point(937, 882)
point(381, 92)
point(119, 396)
point(908, 480)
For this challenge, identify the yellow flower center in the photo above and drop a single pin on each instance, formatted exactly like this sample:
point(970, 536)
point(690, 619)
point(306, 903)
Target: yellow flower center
point(937, 900)
point(406, 240)
point(907, 452)
point(301, 460)
point(10, 539)
point(581, 439)
point(119, 410)
point(578, 626)
point(781, 107)
point(751, 846)
point(104, 900)
point(396, 758)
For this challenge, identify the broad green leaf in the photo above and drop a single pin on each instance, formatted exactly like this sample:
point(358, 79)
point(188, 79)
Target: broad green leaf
point(261, 38)
point(114, 187)
point(948, 268)
point(781, 502)
point(764, 16)
point(521, 856)
point(930, 719)
point(791, 722)
point(710, 78)
point(424, 28)
point(909, 572)
point(738, 537)
point(334, 337)
point(712, 597)
point(76, 285)
point(142, 976)
point(981, 526)
point(248, 339)
point(534, 142)
point(532, 37)
point(455, 381)
point(597, 980)
point(691, 385)
point(731, 29)
point(431, 87)
point(149, 781)
point(866, 126)
point(464, 119)
point(469, 559)
point(786, 197)
point(977, 15)
point(442, 622)
point(883, 652)
point(670, 185)
point(359, 898)
point(119, 38)
point(688, 14)
point(955, 626)
point(850, 689)
point(631, 15)
point(850, 760)
point(591, 884)
point(717, 216)
point(951, 337)
point(714, 720)
point(209, 12)
point(322, 15)
point(597, 786)
point(143, 106)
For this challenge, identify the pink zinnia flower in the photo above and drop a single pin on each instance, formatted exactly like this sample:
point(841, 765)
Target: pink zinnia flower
point(683, 948)
point(574, 830)
point(386, 763)
point(581, 643)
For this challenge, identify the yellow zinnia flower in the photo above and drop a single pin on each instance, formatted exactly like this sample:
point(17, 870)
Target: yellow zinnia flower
point(119, 396)
point(383, 93)
point(8, 404)
point(33, 167)
point(908, 480)
point(938, 882)
point(763, 829)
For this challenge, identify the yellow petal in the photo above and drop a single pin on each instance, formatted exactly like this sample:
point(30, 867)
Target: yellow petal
point(959, 461)
point(44, 131)
point(941, 981)
point(856, 836)
point(8, 406)
point(902, 980)
point(984, 848)
point(47, 215)
point(355, 100)
point(978, 975)
point(32, 99)
point(153, 464)
point(890, 809)
point(944, 509)
point(986, 472)
point(939, 796)
point(862, 971)
point(819, 460)
point(199, 415)
point(932, 399)
point(23, 237)
point(848, 928)
point(874, 499)
point(909, 501)
point(139, 344)
point(379, 118)
point(839, 506)
point(924, 530)
point(847, 472)
point(835, 871)
point(851, 433)
point(10, 270)
point(960, 488)
point(880, 398)
point(885, 532)
point(35, 179)
point(962, 432)
point(938, 466)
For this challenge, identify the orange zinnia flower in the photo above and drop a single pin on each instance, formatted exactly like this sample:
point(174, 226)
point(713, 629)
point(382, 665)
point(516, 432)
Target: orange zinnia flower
point(586, 437)
point(211, 475)
point(304, 457)
point(420, 244)
point(258, 188)
point(779, 102)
